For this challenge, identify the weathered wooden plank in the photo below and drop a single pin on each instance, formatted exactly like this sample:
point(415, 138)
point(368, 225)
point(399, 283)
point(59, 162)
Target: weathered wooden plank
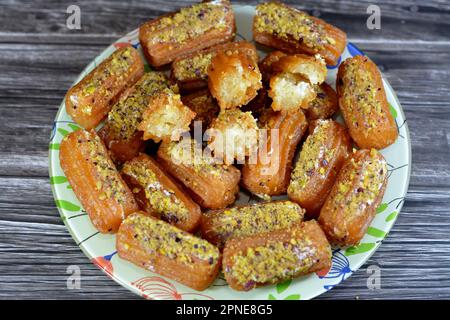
point(404, 20)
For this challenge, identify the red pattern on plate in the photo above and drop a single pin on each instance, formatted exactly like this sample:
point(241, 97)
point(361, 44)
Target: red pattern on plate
point(159, 288)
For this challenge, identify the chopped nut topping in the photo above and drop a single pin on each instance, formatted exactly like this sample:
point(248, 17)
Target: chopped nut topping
point(290, 24)
point(108, 178)
point(274, 262)
point(162, 238)
point(360, 95)
point(126, 115)
point(189, 23)
point(314, 157)
point(361, 187)
point(256, 218)
point(161, 199)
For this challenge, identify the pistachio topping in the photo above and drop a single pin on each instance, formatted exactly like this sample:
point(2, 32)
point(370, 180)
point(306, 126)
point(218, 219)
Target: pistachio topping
point(274, 262)
point(189, 22)
point(108, 182)
point(164, 239)
point(314, 157)
point(126, 114)
point(256, 218)
point(195, 67)
point(362, 185)
point(291, 24)
point(160, 198)
point(118, 65)
point(360, 95)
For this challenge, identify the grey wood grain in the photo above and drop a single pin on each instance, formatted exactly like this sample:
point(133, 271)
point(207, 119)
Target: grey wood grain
point(40, 58)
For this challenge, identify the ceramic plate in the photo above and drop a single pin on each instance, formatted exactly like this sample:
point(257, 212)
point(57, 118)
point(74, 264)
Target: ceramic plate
point(101, 249)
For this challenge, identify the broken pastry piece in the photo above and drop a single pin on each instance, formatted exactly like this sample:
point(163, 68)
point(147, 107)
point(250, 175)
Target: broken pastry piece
point(292, 85)
point(193, 28)
point(90, 100)
point(205, 107)
point(166, 117)
point(233, 135)
point(120, 132)
point(212, 185)
point(290, 30)
point(233, 78)
point(158, 195)
point(313, 68)
point(191, 71)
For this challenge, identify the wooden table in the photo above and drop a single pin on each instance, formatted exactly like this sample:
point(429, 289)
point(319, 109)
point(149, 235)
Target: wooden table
point(40, 58)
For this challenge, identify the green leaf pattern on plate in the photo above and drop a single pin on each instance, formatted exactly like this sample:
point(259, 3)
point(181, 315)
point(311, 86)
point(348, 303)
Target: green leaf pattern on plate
point(63, 132)
point(382, 207)
point(377, 233)
point(393, 111)
point(360, 248)
point(67, 205)
point(391, 216)
point(58, 179)
point(54, 146)
point(74, 127)
point(283, 286)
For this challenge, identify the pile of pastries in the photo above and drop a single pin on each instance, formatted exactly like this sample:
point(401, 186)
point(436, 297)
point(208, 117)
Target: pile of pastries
point(138, 172)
